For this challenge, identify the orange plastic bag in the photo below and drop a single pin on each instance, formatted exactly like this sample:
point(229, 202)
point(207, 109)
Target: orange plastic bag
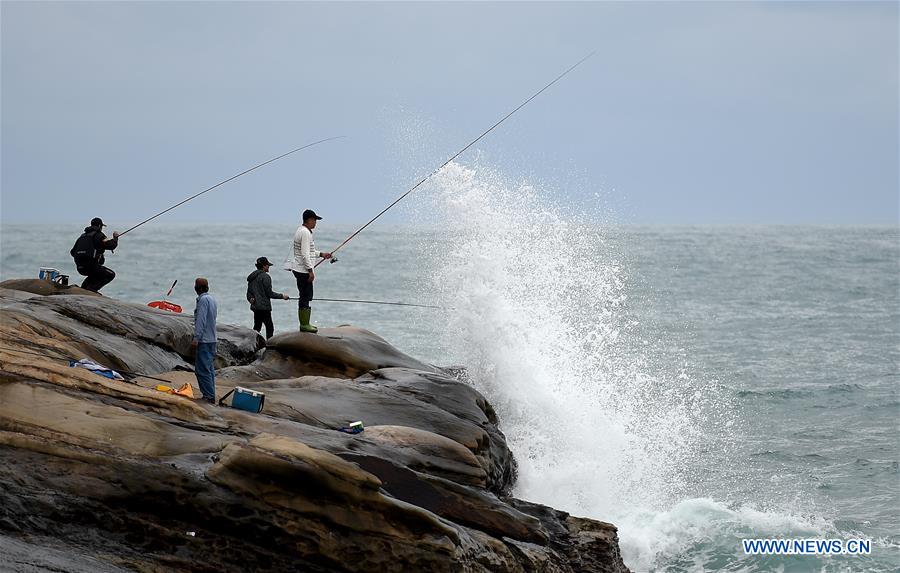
point(187, 391)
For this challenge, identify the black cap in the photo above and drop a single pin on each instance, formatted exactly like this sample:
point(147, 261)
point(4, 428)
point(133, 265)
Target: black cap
point(310, 214)
point(261, 262)
point(97, 222)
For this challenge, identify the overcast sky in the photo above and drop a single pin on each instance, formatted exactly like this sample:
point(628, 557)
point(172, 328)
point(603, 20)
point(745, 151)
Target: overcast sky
point(689, 113)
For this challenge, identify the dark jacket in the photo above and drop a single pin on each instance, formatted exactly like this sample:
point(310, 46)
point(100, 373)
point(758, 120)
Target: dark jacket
point(101, 244)
point(259, 291)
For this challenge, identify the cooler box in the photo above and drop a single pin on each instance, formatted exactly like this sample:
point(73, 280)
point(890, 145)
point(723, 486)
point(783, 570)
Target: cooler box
point(48, 274)
point(245, 399)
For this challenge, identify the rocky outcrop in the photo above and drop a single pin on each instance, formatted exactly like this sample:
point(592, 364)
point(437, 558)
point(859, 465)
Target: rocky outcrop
point(123, 336)
point(100, 475)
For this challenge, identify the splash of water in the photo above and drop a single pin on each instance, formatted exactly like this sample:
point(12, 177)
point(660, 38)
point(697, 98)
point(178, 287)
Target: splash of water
point(542, 324)
point(602, 421)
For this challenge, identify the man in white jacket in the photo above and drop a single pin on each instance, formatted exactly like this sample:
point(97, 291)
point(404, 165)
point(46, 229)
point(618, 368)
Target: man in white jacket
point(301, 262)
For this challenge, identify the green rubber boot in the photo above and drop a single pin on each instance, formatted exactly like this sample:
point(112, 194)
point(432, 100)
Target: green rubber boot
point(305, 326)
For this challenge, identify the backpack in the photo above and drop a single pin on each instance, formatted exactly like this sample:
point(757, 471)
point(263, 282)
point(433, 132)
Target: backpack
point(84, 251)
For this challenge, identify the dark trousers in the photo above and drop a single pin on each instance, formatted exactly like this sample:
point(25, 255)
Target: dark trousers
point(98, 277)
point(305, 287)
point(261, 317)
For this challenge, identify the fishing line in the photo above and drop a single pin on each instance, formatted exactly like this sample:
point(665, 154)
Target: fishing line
point(457, 154)
point(373, 302)
point(232, 178)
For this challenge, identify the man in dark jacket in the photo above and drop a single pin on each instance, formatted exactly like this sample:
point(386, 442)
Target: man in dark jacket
point(259, 294)
point(88, 254)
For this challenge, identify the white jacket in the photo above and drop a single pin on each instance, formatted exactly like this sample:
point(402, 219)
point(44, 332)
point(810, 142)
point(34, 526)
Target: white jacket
point(304, 254)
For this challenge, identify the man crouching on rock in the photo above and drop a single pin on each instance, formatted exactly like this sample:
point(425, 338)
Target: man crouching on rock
point(204, 342)
point(88, 254)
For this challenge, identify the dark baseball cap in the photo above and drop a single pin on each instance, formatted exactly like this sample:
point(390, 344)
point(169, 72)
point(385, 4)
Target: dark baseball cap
point(97, 222)
point(310, 214)
point(262, 261)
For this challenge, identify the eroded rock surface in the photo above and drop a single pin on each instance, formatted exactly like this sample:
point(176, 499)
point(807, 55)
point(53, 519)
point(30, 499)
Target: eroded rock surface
point(99, 475)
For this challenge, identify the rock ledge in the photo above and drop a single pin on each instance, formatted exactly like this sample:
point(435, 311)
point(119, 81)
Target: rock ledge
point(99, 475)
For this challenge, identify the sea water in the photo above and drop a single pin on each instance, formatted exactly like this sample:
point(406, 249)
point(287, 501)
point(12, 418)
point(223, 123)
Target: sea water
point(693, 385)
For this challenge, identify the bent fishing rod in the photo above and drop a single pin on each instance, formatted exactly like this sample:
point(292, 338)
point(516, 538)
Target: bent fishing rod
point(232, 178)
point(455, 155)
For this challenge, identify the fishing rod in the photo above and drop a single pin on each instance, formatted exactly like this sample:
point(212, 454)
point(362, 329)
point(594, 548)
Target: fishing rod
point(229, 179)
point(457, 154)
point(373, 302)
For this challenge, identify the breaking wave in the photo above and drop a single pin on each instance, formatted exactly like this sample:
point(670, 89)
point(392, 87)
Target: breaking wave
point(601, 424)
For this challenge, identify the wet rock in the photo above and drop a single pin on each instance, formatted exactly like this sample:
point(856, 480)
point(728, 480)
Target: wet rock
point(45, 288)
point(431, 453)
point(100, 475)
point(120, 335)
point(341, 352)
point(21, 557)
point(464, 505)
point(335, 402)
point(446, 393)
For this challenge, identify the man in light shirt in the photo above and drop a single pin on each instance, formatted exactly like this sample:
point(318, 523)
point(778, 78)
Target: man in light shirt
point(204, 341)
point(301, 262)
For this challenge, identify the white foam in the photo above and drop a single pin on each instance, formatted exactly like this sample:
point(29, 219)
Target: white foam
point(598, 427)
point(702, 529)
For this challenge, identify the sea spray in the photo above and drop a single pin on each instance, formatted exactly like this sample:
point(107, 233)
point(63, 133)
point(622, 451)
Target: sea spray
point(541, 320)
point(605, 417)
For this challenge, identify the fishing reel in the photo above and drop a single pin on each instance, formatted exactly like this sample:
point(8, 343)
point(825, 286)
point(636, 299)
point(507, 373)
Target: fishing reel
point(332, 260)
